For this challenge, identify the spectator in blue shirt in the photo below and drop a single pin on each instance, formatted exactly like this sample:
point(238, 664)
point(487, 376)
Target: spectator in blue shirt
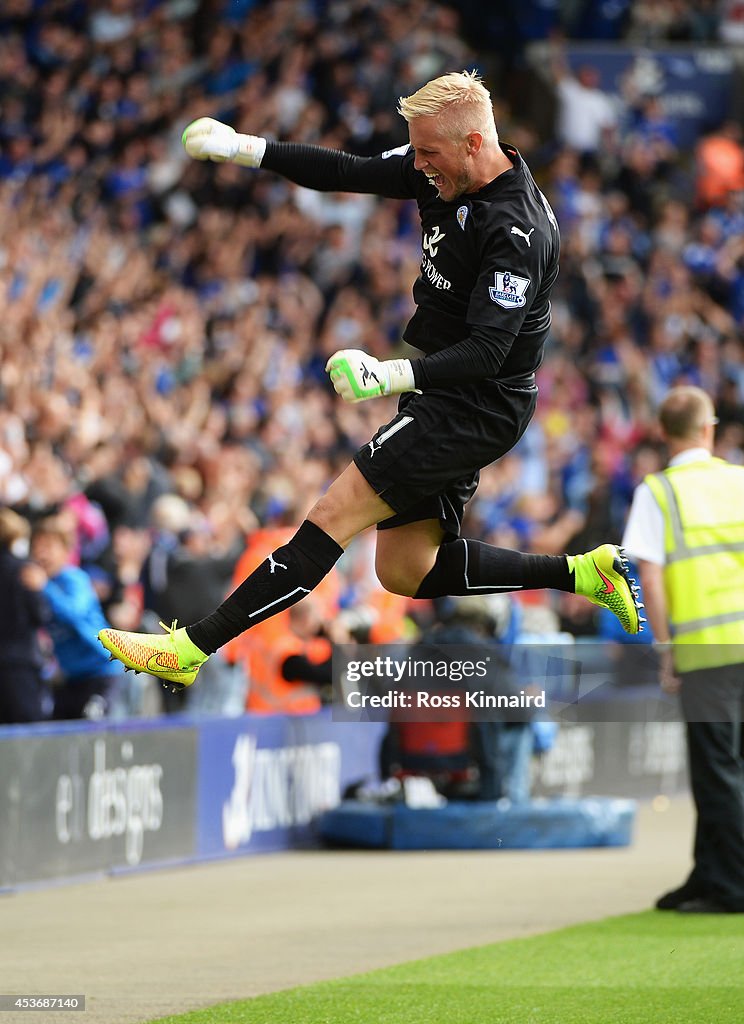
point(73, 618)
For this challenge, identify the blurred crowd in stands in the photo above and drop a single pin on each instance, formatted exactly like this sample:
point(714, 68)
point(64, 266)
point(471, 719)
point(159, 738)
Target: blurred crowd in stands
point(165, 323)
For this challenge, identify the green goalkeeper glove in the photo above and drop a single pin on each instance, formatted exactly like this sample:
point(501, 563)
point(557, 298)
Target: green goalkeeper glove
point(357, 376)
point(207, 139)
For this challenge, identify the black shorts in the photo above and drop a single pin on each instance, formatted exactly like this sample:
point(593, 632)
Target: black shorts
point(425, 462)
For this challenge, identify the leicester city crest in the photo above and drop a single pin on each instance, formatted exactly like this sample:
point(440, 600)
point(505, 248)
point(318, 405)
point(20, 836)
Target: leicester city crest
point(462, 216)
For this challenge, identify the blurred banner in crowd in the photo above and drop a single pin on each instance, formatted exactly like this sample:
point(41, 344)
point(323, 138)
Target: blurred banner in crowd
point(695, 85)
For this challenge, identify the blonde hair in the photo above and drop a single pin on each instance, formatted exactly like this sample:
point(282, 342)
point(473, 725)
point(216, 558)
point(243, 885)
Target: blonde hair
point(460, 98)
point(685, 411)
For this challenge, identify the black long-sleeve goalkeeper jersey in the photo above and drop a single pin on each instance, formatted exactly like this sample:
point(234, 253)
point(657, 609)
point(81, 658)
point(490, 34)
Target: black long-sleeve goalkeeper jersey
point(488, 262)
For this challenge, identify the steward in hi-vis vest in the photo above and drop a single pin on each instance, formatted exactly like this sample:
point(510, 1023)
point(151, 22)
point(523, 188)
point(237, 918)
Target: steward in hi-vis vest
point(685, 530)
point(703, 508)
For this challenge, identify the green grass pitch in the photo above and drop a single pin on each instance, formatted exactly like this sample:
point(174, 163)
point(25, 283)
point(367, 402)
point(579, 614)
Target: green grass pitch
point(650, 968)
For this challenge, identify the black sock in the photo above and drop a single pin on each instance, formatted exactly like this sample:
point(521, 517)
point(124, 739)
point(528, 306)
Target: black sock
point(283, 579)
point(472, 567)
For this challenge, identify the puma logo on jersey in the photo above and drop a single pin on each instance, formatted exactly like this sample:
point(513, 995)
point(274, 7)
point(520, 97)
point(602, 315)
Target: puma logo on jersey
point(526, 237)
point(431, 242)
point(274, 565)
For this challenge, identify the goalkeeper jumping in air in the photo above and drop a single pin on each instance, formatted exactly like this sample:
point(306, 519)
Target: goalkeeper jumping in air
point(490, 247)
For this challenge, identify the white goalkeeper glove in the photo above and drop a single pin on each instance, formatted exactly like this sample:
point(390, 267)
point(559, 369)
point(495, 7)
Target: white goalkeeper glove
point(357, 376)
point(207, 139)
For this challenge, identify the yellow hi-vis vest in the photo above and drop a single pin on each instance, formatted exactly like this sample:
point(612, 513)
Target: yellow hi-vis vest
point(703, 507)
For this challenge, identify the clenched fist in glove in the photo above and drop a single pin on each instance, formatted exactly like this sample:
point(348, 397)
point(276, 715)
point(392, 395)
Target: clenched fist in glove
point(207, 139)
point(357, 376)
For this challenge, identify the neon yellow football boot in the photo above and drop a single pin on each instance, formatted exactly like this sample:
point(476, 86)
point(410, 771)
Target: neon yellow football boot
point(171, 656)
point(603, 576)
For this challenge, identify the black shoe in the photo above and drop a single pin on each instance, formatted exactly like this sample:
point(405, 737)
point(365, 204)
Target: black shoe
point(672, 900)
point(705, 905)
